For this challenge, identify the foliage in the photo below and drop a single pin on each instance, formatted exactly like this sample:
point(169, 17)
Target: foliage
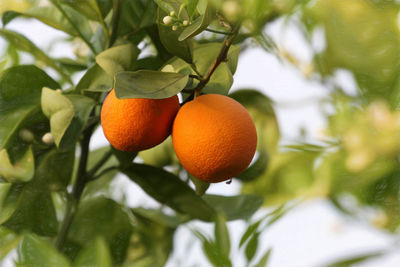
point(56, 204)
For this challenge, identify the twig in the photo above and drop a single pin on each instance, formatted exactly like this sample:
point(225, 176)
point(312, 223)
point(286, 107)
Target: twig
point(222, 57)
point(79, 185)
point(99, 164)
point(92, 178)
point(217, 31)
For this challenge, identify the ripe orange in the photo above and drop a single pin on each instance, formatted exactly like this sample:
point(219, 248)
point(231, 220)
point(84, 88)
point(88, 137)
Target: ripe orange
point(137, 124)
point(214, 138)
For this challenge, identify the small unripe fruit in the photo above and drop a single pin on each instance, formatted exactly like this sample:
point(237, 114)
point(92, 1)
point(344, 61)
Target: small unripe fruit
point(172, 13)
point(167, 20)
point(48, 139)
point(185, 23)
point(26, 135)
point(174, 28)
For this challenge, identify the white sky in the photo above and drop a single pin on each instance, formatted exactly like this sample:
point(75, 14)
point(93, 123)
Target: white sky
point(312, 234)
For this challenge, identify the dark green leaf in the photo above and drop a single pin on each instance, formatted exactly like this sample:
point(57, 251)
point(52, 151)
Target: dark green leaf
point(149, 84)
point(34, 251)
point(34, 210)
point(96, 253)
point(20, 89)
point(200, 186)
point(191, 6)
point(9, 194)
point(264, 260)
point(101, 217)
point(170, 190)
point(164, 5)
point(117, 59)
point(94, 78)
point(252, 246)
point(8, 16)
point(55, 169)
point(235, 207)
point(8, 241)
point(251, 229)
point(60, 111)
point(152, 241)
point(20, 171)
point(222, 239)
point(125, 158)
point(82, 106)
point(197, 26)
point(169, 38)
point(212, 252)
point(159, 217)
point(90, 8)
point(256, 169)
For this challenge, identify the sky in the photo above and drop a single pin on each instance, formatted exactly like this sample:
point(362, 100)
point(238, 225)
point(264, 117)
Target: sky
point(312, 234)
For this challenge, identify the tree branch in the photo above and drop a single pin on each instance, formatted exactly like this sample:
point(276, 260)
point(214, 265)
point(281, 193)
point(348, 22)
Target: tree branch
point(222, 57)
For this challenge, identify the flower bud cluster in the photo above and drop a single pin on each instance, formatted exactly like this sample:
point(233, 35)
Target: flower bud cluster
point(174, 21)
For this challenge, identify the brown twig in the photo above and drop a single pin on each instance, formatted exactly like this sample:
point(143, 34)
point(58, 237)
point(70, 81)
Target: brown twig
point(222, 57)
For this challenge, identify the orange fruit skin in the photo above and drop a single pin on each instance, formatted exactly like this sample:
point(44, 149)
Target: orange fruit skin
point(214, 138)
point(137, 124)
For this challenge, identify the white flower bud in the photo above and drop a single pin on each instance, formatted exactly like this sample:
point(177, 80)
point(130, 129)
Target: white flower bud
point(172, 13)
point(48, 139)
point(174, 28)
point(185, 23)
point(167, 20)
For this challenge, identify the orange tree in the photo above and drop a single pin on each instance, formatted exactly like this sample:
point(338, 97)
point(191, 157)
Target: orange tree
point(56, 208)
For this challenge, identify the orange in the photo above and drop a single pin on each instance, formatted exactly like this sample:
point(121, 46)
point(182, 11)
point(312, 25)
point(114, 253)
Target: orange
point(137, 124)
point(214, 137)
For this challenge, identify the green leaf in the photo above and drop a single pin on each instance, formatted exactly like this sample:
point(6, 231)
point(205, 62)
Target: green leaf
point(8, 241)
point(34, 210)
point(169, 38)
point(20, 89)
point(212, 252)
point(60, 111)
point(256, 169)
point(101, 217)
point(24, 44)
point(350, 261)
point(235, 207)
point(20, 171)
point(117, 59)
point(102, 184)
point(95, 78)
point(92, 9)
point(161, 218)
point(55, 169)
point(164, 5)
point(152, 242)
point(200, 186)
point(251, 229)
point(191, 6)
point(160, 155)
point(197, 26)
point(149, 84)
point(222, 239)
point(264, 260)
point(252, 246)
point(9, 194)
point(82, 108)
point(54, 18)
point(34, 251)
point(170, 190)
point(95, 254)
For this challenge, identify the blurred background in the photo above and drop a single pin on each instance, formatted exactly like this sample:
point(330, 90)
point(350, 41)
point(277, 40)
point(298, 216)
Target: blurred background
point(351, 48)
